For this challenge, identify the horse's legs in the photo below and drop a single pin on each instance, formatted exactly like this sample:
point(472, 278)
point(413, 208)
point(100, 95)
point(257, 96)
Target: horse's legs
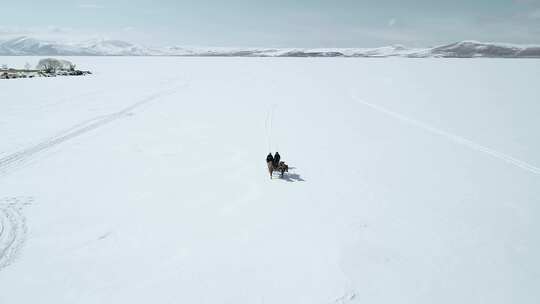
point(270, 169)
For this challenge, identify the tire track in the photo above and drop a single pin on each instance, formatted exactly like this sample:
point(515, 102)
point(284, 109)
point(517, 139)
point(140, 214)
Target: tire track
point(452, 137)
point(15, 159)
point(13, 228)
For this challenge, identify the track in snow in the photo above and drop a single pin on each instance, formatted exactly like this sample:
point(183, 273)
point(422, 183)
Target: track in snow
point(17, 158)
point(12, 228)
point(452, 137)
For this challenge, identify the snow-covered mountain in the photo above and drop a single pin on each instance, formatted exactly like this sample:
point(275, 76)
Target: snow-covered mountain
point(31, 46)
point(466, 49)
point(102, 47)
point(113, 48)
point(98, 47)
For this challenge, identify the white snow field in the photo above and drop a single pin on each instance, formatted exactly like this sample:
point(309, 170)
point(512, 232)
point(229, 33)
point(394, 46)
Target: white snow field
point(414, 181)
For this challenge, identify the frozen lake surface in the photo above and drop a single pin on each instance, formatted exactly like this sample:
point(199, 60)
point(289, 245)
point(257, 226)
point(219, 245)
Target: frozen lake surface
point(414, 181)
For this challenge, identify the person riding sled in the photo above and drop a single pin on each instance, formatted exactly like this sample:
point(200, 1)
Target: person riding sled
point(269, 158)
point(277, 158)
point(274, 164)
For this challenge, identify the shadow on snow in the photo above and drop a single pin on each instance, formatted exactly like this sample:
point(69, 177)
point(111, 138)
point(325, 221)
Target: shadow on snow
point(292, 177)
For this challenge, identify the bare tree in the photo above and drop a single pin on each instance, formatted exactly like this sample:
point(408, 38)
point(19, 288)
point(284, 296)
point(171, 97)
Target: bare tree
point(51, 65)
point(27, 66)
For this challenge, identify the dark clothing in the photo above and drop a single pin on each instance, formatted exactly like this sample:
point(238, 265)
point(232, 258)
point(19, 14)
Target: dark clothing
point(269, 158)
point(277, 158)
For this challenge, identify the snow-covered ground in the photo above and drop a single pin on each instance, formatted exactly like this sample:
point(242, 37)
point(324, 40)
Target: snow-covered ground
point(414, 181)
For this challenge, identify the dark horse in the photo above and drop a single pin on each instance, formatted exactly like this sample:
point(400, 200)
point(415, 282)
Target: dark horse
point(282, 167)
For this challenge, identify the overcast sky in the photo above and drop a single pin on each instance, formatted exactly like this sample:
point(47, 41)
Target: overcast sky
point(276, 23)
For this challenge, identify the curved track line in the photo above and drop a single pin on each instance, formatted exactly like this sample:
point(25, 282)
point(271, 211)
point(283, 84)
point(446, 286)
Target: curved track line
point(452, 137)
point(13, 228)
point(16, 158)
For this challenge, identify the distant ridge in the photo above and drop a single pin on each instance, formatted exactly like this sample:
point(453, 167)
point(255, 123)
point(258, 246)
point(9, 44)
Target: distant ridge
point(27, 46)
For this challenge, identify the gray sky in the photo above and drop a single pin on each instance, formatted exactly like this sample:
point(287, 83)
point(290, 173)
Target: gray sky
point(277, 23)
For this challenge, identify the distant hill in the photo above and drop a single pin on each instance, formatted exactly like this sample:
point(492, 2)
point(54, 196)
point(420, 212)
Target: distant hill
point(27, 46)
